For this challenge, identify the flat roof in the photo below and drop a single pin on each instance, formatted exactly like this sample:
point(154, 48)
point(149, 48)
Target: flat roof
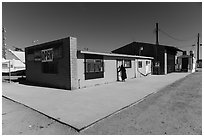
point(114, 54)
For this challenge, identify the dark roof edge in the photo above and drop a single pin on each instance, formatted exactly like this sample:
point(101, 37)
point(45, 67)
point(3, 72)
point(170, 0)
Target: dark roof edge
point(47, 42)
point(149, 44)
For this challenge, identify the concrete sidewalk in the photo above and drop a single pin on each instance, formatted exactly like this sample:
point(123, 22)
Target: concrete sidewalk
point(80, 108)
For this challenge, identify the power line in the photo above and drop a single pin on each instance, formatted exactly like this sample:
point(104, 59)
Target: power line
point(176, 39)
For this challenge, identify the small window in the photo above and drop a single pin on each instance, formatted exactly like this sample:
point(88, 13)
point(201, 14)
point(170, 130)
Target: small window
point(127, 63)
point(4, 65)
point(50, 67)
point(147, 62)
point(139, 64)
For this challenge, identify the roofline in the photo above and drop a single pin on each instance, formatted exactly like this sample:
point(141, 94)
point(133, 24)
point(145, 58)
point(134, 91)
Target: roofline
point(12, 52)
point(46, 42)
point(149, 44)
point(114, 54)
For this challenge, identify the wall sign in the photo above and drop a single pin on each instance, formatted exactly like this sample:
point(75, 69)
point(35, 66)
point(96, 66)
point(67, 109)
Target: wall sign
point(47, 55)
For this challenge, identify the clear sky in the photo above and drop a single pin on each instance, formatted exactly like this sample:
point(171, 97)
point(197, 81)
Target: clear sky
point(100, 26)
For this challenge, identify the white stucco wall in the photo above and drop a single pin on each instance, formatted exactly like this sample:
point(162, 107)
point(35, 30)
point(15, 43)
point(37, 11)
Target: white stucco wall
point(110, 71)
point(146, 69)
point(131, 71)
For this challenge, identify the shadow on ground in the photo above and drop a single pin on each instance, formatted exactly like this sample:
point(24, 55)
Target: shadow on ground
point(23, 81)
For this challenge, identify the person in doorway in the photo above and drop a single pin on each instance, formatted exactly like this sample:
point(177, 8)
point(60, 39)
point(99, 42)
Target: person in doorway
point(123, 73)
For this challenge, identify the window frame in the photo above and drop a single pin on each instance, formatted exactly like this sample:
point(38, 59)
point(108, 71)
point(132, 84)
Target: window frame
point(140, 64)
point(147, 62)
point(95, 74)
point(130, 63)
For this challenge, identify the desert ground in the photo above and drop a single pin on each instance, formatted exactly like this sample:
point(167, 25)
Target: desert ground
point(174, 110)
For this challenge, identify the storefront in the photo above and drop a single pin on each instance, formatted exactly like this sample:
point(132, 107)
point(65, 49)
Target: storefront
point(59, 64)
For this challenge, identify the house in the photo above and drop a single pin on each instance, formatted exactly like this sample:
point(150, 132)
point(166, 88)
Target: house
point(60, 64)
point(14, 63)
point(164, 56)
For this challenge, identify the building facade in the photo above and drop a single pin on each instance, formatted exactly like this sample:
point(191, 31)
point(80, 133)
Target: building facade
point(14, 63)
point(164, 56)
point(59, 64)
point(186, 63)
point(100, 68)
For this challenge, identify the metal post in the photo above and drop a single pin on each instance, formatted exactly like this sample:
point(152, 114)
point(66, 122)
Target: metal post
point(198, 48)
point(3, 44)
point(157, 34)
point(156, 48)
point(9, 71)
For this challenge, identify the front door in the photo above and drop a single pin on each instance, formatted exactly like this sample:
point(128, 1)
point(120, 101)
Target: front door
point(185, 64)
point(119, 63)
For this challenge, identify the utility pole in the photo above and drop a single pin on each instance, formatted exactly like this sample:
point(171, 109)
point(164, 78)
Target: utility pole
point(3, 43)
point(157, 34)
point(198, 44)
point(157, 40)
point(156, 63)
point(9, 71)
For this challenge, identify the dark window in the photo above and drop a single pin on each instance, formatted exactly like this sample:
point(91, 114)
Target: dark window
point(4, 65)
point(50, 67)
point(147, 62)
point(139, 64)
point(127, 63)
point(94, 67)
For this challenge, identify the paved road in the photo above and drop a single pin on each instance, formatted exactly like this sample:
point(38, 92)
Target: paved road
point(174, 110)
point(177, 110)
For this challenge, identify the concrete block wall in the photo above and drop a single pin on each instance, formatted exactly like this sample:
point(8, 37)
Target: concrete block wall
point(73, 62)
point(67, 65)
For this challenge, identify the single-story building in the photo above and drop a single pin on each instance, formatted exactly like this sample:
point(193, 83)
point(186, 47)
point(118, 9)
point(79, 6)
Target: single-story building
point(186, 63)
point(164, 56)
point(14, 63)
point(59, 64)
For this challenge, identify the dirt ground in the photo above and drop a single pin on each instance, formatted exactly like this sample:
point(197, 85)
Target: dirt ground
point(176, 109)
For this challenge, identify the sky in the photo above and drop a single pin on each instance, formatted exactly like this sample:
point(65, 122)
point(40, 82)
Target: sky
point(103, 27)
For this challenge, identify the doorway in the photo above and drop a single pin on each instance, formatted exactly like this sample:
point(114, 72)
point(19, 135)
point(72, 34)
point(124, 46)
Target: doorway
point(119, 63)
point(184, 64)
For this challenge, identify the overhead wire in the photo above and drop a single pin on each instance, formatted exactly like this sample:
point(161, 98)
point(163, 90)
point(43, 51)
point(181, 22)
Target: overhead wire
point(177, 39)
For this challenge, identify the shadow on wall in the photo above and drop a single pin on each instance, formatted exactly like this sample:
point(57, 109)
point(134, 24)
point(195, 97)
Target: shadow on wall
point(16, 73)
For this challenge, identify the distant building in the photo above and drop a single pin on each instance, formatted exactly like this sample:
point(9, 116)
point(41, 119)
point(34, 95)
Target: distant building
point(199, 63)
point(60, 64)
point(164, 56)
point(14, 62)
point(186, 63)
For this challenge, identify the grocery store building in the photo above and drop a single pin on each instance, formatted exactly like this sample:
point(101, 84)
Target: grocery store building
point(59, 64)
